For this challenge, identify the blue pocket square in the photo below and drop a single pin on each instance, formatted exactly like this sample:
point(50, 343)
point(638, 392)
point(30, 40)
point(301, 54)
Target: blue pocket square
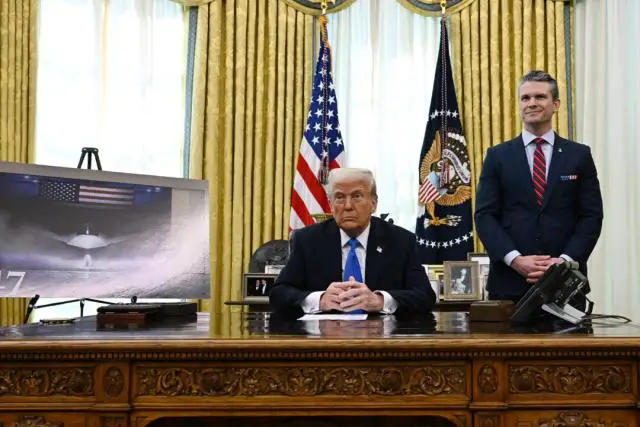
point(568, 177)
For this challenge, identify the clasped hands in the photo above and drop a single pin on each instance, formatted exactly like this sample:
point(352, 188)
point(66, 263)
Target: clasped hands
point(532, 267)
point(350, 295)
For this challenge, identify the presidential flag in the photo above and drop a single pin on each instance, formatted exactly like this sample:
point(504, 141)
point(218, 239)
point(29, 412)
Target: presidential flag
point(444, 226)
point(322, 147)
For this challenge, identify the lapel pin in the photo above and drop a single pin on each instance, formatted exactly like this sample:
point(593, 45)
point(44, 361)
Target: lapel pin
point(559, 150)
point(379, 249)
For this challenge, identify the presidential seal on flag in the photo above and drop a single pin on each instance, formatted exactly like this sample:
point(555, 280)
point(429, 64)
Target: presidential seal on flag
point(445, 176)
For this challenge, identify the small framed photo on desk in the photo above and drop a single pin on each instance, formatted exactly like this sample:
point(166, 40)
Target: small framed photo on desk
point(461, 281)
point(435, 273)
point(484, 264)
point(256, 286)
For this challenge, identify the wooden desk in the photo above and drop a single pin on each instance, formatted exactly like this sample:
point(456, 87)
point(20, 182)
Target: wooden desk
point(262, 306)
point(390, 371)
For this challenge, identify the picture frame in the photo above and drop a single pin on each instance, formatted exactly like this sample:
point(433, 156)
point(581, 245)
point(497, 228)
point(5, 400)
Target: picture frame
point(484, 263)
point(256, 286)
point(461, 281)
point(435, 274)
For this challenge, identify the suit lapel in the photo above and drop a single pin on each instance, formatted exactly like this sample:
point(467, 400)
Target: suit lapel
point(333, 252)
point(523, 169)
point(375, 249)
point(557, 165)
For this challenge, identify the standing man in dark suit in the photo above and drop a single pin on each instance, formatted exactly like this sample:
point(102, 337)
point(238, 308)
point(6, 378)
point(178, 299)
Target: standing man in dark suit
point(353, 262)
point(538, 200)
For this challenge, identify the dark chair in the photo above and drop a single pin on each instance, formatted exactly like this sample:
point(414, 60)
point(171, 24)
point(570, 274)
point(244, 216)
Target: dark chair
point(274, 252)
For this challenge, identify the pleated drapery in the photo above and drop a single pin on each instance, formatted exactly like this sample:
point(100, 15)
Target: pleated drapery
point(17, 105)
point(252, 81)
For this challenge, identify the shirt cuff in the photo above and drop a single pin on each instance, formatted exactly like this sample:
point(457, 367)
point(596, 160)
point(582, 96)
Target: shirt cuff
point(508, 258)
point(566, 258)
point(311, 304)
point(389, 305)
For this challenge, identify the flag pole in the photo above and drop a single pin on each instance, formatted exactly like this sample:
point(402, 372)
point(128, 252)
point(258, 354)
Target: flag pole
point(323, 173)
point(322, 147)
point(444, 177)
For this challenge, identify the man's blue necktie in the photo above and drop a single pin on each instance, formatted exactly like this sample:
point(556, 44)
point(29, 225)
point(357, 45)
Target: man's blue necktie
point(352, 268)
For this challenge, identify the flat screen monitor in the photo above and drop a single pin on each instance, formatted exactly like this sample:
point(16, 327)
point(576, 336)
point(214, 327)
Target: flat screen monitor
point(79, 233)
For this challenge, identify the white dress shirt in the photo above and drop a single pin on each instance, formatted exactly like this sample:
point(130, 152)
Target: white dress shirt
point(530, 147)
point(311, 303)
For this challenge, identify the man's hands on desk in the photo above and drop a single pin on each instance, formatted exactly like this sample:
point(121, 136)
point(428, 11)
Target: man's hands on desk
point(533, 266)
point(349, 296)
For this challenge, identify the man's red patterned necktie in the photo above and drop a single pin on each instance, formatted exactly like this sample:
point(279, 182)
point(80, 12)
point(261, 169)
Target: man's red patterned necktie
point(539, 171)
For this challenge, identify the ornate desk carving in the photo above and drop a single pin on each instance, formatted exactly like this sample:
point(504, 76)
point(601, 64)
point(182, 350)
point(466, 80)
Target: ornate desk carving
point(53, 378)
point(46, 381)
point(302, 381)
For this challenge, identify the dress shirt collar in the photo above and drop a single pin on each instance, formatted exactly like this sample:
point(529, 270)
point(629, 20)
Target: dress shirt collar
point(362, 238)
point(528, 137)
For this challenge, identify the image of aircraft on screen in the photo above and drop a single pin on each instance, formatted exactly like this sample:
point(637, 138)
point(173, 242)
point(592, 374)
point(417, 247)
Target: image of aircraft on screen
point(86, 238)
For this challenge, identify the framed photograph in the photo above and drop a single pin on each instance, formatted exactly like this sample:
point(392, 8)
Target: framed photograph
point(483, 268)
point(461, 281)
point(435, 273)
point(256, 286)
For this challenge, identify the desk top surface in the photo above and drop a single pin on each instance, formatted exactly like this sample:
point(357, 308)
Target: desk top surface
point(234, 329)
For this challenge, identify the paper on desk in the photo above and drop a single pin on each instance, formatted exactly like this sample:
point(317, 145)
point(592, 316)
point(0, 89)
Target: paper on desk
point(326, 316)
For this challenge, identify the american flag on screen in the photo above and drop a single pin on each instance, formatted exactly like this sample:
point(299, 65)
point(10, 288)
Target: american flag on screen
point(322, 147)
point(92, 195)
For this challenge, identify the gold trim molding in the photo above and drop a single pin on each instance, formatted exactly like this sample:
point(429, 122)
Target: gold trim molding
point(315, 354)
point(192, 3)
point(432, 7)
point(312, 7)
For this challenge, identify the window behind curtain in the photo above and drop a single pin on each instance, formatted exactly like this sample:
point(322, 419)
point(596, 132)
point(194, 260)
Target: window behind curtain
point(384, 59)
point(110, 75)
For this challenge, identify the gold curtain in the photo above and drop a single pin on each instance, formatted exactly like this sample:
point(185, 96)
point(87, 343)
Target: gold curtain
point(17, 104)
point(495, 42)
point(252, 82)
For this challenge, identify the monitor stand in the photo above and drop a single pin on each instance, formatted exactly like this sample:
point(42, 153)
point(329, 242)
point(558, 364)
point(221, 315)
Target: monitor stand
point(90, 154)
point(32, 304)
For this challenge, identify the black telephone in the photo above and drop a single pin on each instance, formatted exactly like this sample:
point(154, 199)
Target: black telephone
point(559, 284)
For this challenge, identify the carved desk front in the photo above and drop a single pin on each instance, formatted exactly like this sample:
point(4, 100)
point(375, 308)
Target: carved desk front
point(252, 369)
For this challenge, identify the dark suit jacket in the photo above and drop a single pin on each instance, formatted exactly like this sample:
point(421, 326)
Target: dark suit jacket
point(508, 217)
point(316, 261)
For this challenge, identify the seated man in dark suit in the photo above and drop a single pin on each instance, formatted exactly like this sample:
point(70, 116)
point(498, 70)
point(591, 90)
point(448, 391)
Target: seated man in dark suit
point(538, 201)
point(353, 262)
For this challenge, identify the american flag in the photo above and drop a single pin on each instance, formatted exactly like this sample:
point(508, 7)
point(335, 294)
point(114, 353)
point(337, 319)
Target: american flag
point(93, 195)
point(428, 191)
point(322, 147)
